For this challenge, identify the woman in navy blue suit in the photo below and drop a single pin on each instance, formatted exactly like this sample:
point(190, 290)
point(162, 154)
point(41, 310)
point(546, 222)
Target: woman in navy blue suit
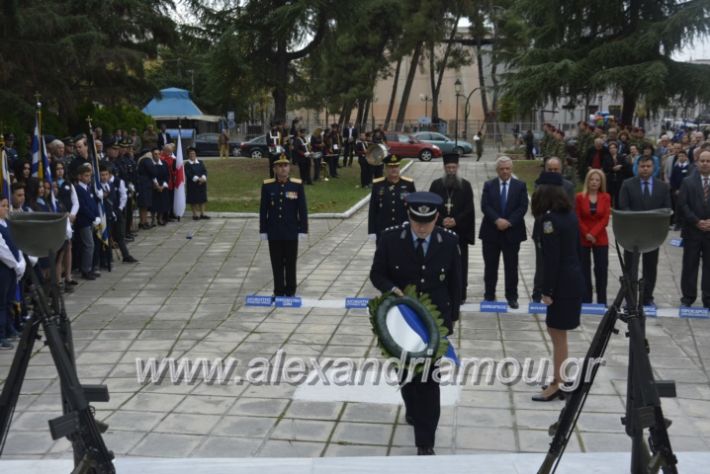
point(563, 282)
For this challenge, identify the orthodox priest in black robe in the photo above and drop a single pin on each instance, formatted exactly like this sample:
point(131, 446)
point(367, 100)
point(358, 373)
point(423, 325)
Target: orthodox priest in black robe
point(458, 214)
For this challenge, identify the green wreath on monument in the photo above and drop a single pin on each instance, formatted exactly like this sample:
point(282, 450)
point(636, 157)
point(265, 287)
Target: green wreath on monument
point(388, 315)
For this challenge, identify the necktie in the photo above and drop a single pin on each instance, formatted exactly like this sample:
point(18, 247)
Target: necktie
point(706, 188)
point(420, 250)
point(503, 197)
point(646, 191)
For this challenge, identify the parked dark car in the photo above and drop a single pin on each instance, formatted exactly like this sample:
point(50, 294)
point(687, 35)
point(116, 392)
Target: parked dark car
point(406, 146)
point(254, 148)
point(207, 145)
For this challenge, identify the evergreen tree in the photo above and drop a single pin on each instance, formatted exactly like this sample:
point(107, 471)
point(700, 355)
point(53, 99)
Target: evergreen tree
point(581, 48)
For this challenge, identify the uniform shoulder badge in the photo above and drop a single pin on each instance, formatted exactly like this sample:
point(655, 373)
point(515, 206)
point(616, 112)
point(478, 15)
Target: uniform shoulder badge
point(407, 179)
point(269, 181)
point(547, 227)
point(378, 180)
point(295, 180)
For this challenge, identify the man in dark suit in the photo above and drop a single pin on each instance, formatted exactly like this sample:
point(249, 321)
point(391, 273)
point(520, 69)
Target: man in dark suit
point(163, 137)
point(644, 193)
point(504, 202)
point(458, 214)
point(694, 203)
point(349, 136)
point(387, 207)
point(552, 165)
point(421, 254)
point(283, 220)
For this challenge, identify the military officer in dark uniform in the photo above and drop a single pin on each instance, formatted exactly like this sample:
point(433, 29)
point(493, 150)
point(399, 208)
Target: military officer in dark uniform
point(420, 253)
point(457, 214)
point(387, 199)
point(283, 220)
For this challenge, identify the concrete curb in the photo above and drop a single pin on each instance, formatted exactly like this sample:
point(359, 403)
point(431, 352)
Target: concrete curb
point(319, 215)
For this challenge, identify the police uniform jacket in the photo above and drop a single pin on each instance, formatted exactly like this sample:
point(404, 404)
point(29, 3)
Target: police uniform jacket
point(395, 265)
point(387, 203)
point(283, 213)
point(560, 245)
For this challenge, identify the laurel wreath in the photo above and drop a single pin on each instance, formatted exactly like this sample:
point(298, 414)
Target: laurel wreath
point(425, 309)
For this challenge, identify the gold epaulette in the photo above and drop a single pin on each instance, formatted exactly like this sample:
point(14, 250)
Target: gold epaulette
point(295, 180)
point(378, 180)
point(404, 178)
point(269, 181)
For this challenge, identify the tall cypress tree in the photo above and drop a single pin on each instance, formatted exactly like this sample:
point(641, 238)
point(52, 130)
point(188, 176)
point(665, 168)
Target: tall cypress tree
point(580, 48)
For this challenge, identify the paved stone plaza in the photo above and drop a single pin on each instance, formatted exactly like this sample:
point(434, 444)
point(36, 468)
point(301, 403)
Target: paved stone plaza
point(186, 298)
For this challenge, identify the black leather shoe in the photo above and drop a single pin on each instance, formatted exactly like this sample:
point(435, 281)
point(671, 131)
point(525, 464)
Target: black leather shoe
point(428, 451)
point(686, 302)
point(129, 239)
point(513, 304)
point(409, 420)
point(88, 276)
point(204, 216)
point(130, 259)
point(556, 395)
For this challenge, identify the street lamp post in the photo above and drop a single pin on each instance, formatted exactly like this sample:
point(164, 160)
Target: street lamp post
point(457, 88)
point(426, 99)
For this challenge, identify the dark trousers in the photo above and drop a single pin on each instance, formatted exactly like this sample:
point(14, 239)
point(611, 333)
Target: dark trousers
point(464, 268)
point(332, 165)
point(129, 216)
point(86, 237)
point(694, 250)
point(117, 228)
point(272, 157)
point(365, 172)
point(316, 168)
point(304, 169)
point(283, 255)
point(491, 258)
point(423, 405)
point(650, 264)
point(348, 151)
point(601, 270)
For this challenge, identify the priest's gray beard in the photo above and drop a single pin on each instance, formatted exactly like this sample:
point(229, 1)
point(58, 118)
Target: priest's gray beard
point(452, 182)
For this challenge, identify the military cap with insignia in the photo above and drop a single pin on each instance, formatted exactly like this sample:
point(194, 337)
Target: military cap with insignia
point(423, 206)
point(392, 160)
point(68, 140)
point(282, 160)
point(548, 178)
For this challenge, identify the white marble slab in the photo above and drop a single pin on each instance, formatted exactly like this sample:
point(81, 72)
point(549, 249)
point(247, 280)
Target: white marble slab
point(366, 392)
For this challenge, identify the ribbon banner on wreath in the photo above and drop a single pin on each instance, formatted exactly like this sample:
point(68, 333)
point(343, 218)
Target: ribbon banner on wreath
point(410, 328)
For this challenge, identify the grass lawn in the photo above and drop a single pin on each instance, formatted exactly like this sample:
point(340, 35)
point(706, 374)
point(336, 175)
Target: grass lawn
point(234, 185)
point(528, 171)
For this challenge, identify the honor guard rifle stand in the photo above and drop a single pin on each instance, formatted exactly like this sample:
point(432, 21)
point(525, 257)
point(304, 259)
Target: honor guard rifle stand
point(43, 234)
point(638, 232)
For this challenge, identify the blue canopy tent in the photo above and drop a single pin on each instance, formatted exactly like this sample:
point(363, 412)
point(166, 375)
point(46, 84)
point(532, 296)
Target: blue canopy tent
point(173, 105)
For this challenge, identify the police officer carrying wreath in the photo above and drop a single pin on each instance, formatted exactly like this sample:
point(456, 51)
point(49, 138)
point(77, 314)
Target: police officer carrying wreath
point(283, 220)
point(421, 254)
point(387, 207)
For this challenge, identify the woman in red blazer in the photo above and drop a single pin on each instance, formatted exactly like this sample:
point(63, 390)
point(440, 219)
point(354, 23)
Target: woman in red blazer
point(593, 211)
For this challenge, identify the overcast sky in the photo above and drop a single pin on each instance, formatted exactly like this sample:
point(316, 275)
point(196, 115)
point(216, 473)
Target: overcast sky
point(698, 50)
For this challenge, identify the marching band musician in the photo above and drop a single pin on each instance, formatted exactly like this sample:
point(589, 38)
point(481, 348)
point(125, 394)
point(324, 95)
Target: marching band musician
point(361, 152)
point(332, 144)
point(301, 156)
point(274, 140)
point(317, 150)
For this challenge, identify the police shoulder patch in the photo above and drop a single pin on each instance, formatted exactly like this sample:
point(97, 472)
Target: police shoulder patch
point(269, 181)
point(295, 180)
point(407, 179)
point(547, 227)
point(378, 180)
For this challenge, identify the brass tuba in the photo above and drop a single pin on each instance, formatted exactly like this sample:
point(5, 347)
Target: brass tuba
point(376, 153)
